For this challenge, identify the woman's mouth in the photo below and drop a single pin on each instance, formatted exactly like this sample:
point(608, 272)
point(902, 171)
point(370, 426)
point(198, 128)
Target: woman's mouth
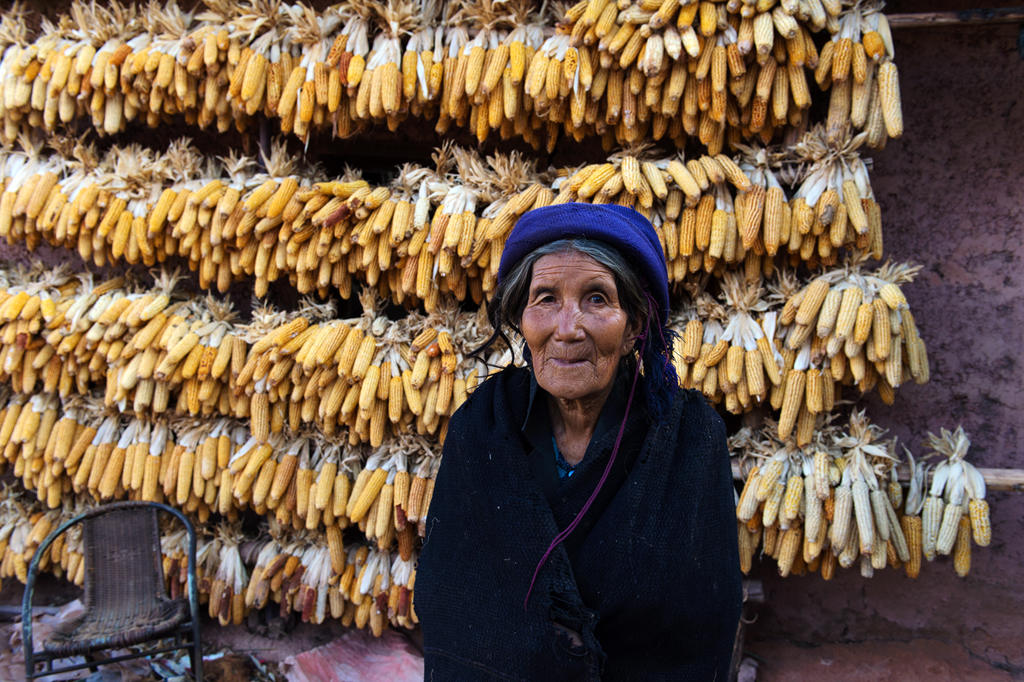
point(567, 362)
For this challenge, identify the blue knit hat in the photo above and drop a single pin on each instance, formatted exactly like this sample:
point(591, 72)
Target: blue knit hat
point(620, 227)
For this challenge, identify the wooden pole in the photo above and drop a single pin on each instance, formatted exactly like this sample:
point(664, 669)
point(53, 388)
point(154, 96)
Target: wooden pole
point(999, 15)
point(1011, 480)
point(1004, 479)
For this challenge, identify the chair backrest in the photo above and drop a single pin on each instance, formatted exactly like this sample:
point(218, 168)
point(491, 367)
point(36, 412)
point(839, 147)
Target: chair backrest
point(123, 567)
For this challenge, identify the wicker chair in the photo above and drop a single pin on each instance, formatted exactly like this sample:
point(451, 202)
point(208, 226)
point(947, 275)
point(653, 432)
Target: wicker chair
point(125, 597)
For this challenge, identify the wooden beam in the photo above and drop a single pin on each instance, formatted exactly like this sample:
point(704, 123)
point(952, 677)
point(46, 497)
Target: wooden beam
point(995, 479)
point(997, 15)
point(1004, 479)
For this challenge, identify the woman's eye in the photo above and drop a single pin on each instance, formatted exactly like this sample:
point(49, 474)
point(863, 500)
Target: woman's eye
point(597, 298)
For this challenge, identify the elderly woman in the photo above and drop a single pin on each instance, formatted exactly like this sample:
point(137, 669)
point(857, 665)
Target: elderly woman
point(582, 523)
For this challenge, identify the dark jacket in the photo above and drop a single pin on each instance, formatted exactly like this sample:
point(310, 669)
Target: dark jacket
point(656, 593)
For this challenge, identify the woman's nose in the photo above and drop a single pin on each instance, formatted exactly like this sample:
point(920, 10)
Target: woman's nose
point(569, 322)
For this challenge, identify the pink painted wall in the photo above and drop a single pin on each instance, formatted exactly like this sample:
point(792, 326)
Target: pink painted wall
point(952, 195)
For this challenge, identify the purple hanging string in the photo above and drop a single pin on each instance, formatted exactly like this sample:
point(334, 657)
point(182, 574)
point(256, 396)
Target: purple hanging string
point(607, 468)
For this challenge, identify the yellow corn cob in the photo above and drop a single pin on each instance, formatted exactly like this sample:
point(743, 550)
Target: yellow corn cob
point(734, 364)
point(283, 474)
point(747, 504)
point(812, 301)
point(264, 481)
point(792, 497)
point(962, 550)
point(692, 335)
point(846, 317)
point(889, 98)
point(842, 518)
point(864, 320)
point(325, 482)
point(931, 521)
point(255, 76)
point(912, 531)
point(374, 482)
point(719, 225)
point(893, 296)
point(814, 390)
point(595, 180)
point(336, 549)
point(363, 357)
point(773, 504)
point(655, 179)
point(880, 329)
point(981, 526)
point(792, 399)
point(948, 528)
point(790, 545)
point(829, 312)
point(769, 475)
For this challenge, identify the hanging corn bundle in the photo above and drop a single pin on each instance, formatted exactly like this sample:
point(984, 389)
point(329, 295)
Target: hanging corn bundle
point(763, 211)
point(698, 327)
point(856, 328)
point(222, 576)
point(867, 525)
point(786, 502)
point(834, 205)
point(299, 90)
point(955, 507)
point(825, 505)
point(857, 66)
point(736, 361)
point(689, 202)
point(697, 69)
point(24, 526)
point(507, 38)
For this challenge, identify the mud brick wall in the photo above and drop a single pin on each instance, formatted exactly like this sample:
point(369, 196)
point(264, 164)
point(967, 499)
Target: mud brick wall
point(952, 196)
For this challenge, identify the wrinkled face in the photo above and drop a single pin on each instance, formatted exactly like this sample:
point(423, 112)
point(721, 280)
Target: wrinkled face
point(574, 326)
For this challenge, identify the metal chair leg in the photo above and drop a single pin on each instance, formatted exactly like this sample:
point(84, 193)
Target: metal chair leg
point(195, 654)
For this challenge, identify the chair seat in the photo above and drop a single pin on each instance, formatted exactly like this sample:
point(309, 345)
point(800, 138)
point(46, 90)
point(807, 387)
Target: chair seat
point(94, 630)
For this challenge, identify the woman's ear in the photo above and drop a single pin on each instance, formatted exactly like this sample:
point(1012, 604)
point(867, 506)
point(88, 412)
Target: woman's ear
point(629, 340)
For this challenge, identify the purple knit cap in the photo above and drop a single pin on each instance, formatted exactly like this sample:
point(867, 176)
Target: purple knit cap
point(622, 228)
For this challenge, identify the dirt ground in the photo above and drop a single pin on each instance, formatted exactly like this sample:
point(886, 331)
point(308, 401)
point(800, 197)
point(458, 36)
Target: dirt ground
point(768, 659)
point(871, 661)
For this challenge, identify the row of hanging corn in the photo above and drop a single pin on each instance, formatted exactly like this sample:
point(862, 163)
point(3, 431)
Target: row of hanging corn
point(838, 501)
point(720, 72)
point(431, 231)
point(301, 571)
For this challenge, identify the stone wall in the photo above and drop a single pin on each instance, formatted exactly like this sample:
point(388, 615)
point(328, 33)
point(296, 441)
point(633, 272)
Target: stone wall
point(952, 196)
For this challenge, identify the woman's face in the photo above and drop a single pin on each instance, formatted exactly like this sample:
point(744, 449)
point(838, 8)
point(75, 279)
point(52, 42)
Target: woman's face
point(574, 326)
